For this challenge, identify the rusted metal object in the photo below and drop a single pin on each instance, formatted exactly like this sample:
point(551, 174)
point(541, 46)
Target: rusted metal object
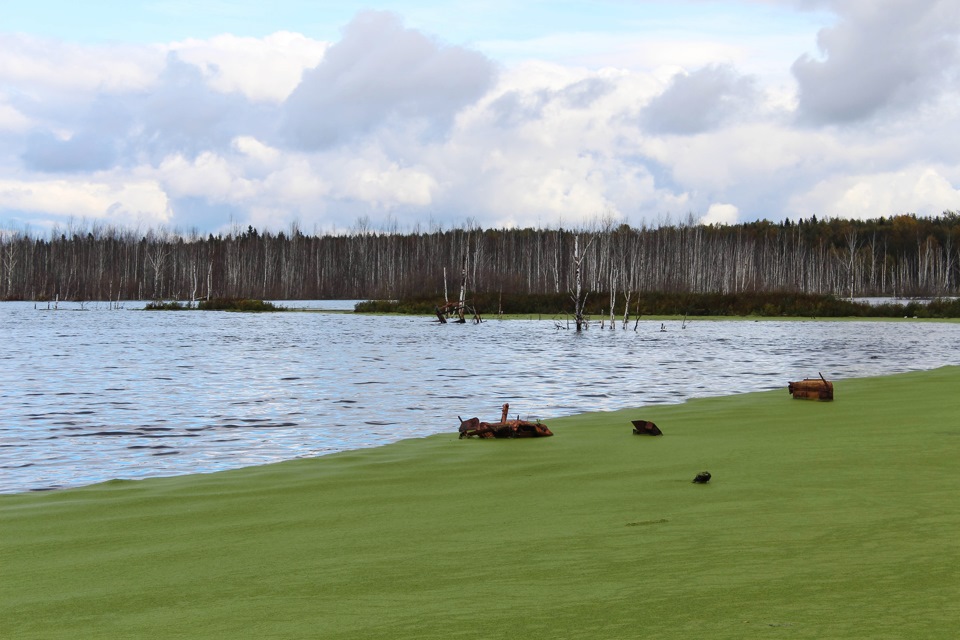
point(473, 428)
point(811, 389)
point(645, 428)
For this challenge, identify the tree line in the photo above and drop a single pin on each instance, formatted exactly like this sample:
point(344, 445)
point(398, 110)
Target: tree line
point(902, 256)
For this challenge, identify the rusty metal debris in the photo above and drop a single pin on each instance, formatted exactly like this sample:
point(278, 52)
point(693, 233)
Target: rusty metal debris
point(473, 428)
point(645, 428)
point(811, 389)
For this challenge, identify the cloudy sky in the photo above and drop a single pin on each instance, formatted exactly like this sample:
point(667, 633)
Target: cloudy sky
point(205, 114)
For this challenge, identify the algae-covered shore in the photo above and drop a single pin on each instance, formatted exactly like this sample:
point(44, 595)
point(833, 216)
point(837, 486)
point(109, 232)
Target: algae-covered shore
point(822, 520)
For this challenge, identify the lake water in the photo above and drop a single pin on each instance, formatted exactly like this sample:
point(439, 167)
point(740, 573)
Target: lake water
point(99, 393)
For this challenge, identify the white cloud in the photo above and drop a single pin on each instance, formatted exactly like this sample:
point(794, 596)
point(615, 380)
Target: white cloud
point(751, 155)
point(299, 184)
point(206, 176)
point(542, 147)
point(119, 199)
point(263, 69)
point(12, 119)
point(389, 121)
point(256, 150)
point(387, 186)
point(721, 214)
point(919, 189)
point(36, 66)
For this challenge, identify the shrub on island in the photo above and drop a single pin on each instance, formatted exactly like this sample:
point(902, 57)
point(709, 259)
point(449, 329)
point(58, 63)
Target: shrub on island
point(216, 304)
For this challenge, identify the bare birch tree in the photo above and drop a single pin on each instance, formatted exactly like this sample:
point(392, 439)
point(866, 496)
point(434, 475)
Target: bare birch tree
point(578, 295)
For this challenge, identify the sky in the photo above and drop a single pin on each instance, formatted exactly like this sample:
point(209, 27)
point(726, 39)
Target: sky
point(206, 115)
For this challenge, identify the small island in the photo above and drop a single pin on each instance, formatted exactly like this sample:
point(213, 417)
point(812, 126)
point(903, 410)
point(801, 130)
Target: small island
point(215, 304)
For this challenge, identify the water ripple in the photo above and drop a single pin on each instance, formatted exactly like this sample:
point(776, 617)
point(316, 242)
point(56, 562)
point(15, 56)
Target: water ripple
point(129, 394)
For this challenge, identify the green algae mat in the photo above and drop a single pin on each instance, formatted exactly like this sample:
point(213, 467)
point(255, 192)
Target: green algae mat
point(823, 520)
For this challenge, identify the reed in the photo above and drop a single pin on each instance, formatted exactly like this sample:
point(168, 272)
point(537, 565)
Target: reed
point(764, 304)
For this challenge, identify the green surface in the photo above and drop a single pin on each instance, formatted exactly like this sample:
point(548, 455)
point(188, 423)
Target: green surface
point(823, 520)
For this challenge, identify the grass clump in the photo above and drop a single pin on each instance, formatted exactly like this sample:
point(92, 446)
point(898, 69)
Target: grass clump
point(215, 304)
point(237, 304)
point(822, 520)
point(162, 305)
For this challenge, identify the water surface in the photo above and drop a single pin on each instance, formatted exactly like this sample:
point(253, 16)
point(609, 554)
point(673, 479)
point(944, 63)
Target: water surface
point(100, 393)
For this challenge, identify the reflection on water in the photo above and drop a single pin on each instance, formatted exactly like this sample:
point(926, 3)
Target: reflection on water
point(91, 395)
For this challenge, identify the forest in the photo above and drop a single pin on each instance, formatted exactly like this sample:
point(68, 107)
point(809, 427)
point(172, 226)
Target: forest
point(904, 256)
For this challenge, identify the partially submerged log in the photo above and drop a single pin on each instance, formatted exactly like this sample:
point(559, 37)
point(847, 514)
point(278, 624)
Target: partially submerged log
point(811, 389)
point(645, 428)
point(458, 312)
point(473, 428)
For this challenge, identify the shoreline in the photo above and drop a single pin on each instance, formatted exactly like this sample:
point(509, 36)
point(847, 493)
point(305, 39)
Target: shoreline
point(827, 517)
point(559, 317)
point(690, 319)
point(159, 474)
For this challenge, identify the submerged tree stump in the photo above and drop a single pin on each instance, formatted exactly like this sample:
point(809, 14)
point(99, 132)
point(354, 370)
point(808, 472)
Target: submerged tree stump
point(458, 312)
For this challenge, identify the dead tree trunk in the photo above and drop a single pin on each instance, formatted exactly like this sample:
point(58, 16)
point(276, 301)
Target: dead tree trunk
point(577, 295)
point(463, 289)
point(626, 307)
point(613, 297)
